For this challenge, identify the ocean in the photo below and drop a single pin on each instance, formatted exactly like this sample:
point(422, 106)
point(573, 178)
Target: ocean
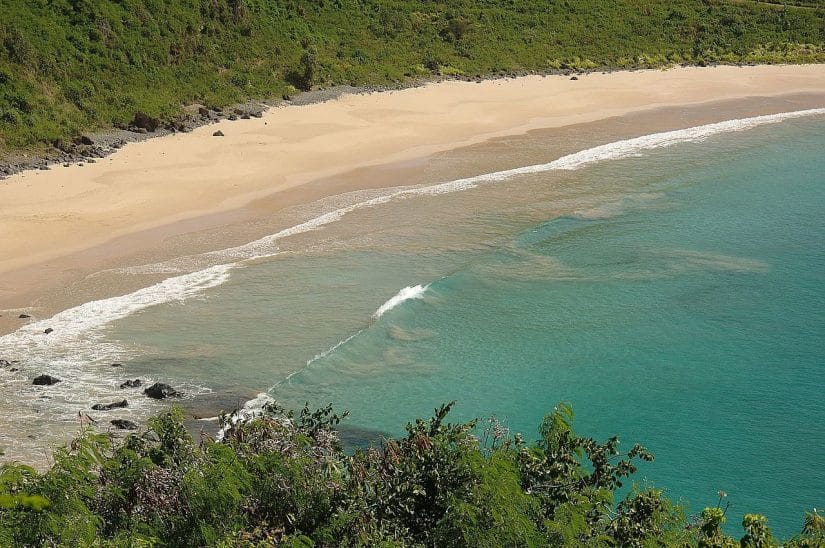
point(670, 287)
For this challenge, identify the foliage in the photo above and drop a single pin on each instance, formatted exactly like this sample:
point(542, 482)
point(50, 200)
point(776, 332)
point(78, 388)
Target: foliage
point(283, 478)
point(67, 66)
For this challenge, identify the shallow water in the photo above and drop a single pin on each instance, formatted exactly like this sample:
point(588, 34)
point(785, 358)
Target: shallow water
point(673, 296)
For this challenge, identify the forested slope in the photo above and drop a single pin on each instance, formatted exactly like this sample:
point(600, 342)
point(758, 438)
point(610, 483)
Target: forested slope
point(72, 65)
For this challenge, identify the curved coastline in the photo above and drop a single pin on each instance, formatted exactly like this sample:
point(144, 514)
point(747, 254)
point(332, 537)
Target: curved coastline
point(165, 186)
point(76, 338)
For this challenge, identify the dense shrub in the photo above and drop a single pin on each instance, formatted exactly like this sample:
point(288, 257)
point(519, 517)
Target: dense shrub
point(284, 479)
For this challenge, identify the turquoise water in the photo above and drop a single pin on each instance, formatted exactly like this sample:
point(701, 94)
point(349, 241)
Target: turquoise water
point(692, 321)
point(675, 298)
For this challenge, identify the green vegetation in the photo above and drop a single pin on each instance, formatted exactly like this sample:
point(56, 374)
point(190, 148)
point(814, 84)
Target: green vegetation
point(283, 479)
point(67, 66)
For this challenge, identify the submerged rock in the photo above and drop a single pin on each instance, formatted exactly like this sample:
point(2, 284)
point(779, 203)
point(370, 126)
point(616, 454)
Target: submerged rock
point(110, 406)
point(132, 384)
point(123, 424)
point(161, 390)
point(48, 330)
point(45, 380)
point(23, 316)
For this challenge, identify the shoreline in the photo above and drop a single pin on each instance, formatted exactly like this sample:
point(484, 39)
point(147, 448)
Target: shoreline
point(189, 244)
point(99, 215)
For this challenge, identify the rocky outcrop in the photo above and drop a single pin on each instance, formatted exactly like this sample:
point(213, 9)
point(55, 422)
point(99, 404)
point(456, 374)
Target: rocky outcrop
point(45, 380)
point(110, 406)
point(137, 383)
point(123, 424)
point(161, 390)
point(145, 122)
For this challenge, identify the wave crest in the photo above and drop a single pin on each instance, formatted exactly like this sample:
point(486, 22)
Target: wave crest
point(405, 294)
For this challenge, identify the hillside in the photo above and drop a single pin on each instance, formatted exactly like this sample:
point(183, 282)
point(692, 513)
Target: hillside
point(68, 66)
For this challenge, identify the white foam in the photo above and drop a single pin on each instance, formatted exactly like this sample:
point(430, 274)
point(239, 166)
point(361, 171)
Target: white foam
point(74, 322)
point(407, 293)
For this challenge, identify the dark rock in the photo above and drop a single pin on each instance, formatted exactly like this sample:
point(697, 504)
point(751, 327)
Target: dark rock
point(14, 370)
point(61, 145)
point(160, 391)
point(132, 384)
point(258, 114)
point(23, 316)
point(48, 330)
point(110, 406)
point(233, 117)
point(45, 380)
point(66, 164)
point(44, 168)
point(203, 112)
point(218, 133)
point(5, 363)
point(123, 424)
point(144, 121)
point(91, 160)
point(245, 116)
point(117, 365)
point(574, 77)
point(83, 140)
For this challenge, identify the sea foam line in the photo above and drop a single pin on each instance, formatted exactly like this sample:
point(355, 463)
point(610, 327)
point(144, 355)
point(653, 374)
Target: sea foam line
point(92, 315)
point(264, 247)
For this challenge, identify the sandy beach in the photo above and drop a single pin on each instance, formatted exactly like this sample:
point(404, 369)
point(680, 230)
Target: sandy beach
point(50, 220)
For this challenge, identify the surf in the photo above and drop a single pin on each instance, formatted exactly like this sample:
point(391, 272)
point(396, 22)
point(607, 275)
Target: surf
point(405, 294)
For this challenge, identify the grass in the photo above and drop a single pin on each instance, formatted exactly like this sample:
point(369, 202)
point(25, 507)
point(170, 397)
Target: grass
point(68, 66)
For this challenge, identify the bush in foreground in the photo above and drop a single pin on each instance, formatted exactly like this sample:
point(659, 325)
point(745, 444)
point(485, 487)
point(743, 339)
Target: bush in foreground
point(284, 479)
